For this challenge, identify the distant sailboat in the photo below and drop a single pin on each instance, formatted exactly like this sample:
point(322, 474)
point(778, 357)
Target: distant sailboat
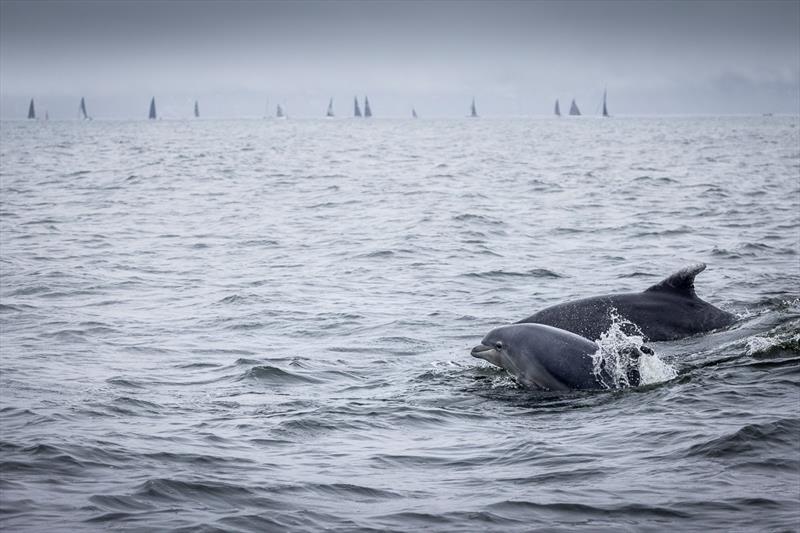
point(413, 113)
point(605, 107)
point(279, 112)
point(473, 110)
point(367, 109)
point(573, 109)
point(196, 109)
point(356, 108)
point(558, 109)
point(31, 110)
point(329, 113)
point(152, 114)
point(82, 109)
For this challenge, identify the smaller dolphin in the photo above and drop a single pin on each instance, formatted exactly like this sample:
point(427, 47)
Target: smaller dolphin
point(544, 357)
point(666, 311)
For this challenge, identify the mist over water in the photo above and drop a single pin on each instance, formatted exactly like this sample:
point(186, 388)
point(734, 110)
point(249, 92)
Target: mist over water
point(265, 325)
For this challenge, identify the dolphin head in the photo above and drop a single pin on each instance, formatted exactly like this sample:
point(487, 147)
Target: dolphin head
point(490, 349)
point(539, 356)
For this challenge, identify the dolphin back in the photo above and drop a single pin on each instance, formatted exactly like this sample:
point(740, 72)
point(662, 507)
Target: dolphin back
point(668, 310)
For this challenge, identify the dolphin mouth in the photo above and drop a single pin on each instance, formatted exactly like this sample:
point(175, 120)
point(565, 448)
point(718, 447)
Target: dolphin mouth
point(481, 351)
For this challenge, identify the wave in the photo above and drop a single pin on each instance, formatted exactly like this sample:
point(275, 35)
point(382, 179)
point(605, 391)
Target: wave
point(166, 490)
point(348, 491)
point(499, 274)
point(577, 509)
point(752, 439)
point(9, 308)
point(127, 383)
point(277, 376)
point(132, 406)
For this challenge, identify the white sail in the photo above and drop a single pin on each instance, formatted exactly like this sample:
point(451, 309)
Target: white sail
point(473, 110)
point(367, 109)
point(196, 109)
point(31, 110)
point(329, 113)
point(356, 108)
point(152, 114)
point(573, 109)
point(558, 109)
point(82, 109)
point(605, 107)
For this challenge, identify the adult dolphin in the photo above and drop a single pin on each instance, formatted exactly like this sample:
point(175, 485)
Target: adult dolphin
point(668, 310)
point(544, 357)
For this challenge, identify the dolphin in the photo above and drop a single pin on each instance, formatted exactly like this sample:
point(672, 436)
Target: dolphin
point(543, 357)
point(668, 310)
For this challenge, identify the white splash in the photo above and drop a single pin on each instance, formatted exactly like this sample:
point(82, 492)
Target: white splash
point(621, 355)
point(757, 344)
point(652, 369)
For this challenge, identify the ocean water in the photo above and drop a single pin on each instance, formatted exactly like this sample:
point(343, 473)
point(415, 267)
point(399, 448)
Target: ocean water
point(265, 325)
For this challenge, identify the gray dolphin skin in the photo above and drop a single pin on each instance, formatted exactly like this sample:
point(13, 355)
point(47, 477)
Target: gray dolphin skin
point(543, 357)
point(669, 310)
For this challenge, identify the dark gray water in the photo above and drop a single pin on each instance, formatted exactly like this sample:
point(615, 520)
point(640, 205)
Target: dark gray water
point(264, 325)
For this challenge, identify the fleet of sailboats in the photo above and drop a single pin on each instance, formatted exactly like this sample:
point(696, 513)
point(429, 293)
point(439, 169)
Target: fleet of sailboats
point(473, 113)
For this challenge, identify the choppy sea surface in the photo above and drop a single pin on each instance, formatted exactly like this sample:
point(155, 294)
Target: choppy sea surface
point(265, 325)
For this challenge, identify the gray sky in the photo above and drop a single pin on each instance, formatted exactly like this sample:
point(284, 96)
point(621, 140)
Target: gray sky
point(516, 58)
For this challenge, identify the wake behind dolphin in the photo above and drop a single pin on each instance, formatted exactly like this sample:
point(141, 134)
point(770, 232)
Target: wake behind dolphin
point(669, 310)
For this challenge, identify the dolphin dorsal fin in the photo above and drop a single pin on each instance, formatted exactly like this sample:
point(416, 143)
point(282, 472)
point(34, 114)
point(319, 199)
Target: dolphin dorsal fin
point(681, 282)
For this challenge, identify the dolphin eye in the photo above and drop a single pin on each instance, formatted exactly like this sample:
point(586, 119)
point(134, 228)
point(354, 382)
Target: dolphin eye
point(498, 345)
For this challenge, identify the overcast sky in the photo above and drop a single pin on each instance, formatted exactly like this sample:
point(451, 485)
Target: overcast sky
point(516, 58)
